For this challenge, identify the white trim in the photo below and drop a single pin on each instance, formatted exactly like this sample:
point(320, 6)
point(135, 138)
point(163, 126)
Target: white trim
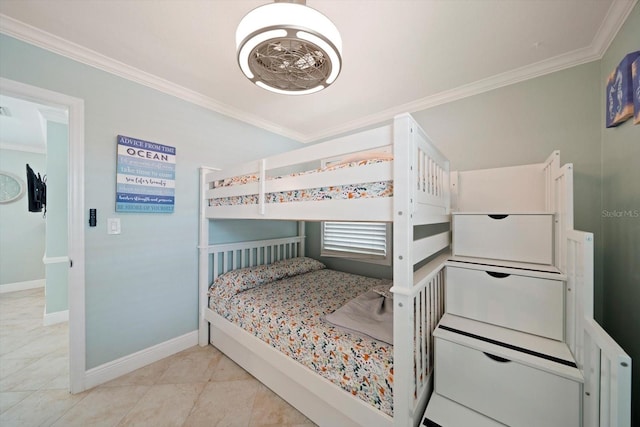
point(75, 219)
point(75, 245)
point(116, 368)
point(55, 260)
point(538, 69)
point(22, 286)
point(35, 36)
point(25, 148)
point(54, 115)
point(617, 14)
point(56, 317)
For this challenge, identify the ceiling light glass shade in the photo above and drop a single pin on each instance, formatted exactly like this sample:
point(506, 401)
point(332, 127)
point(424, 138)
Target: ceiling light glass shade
point(289, 48)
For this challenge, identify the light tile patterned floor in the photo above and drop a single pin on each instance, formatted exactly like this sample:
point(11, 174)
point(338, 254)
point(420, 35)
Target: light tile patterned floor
point(197, 387)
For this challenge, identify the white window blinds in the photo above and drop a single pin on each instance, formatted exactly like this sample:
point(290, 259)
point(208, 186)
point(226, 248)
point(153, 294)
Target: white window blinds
point(357, 240)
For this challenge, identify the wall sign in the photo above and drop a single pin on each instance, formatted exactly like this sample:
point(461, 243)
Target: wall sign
point(146, 176)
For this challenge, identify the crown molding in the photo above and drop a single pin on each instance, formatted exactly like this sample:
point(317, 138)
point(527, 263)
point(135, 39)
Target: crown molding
point(23, 148)
point(54, 115)
point(497, 81)
point(616, 16)
point(37, 37)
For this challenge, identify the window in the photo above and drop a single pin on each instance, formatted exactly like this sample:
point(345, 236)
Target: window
point(362, 241)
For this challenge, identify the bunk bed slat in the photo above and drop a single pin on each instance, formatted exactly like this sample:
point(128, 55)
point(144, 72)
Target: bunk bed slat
point(424, 338)
point(425, 247)
point(417, 338)
point(364, 209)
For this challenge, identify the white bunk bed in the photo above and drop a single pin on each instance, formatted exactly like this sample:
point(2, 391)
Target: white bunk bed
point(420, 175)
point(423, 192)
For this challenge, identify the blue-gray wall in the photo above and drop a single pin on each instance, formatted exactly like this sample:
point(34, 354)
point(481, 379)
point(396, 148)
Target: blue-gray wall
point(22, 241)
point(524, 123)
point(57, 228)
point(141, 285)
point(621, 214)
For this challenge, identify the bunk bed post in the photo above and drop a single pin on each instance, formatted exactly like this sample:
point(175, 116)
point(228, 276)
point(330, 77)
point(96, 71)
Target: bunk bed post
point(551, 168)
point(454, 189)
point(263, 183)
point(563, 188)
point(203, 260)
point(403, 354)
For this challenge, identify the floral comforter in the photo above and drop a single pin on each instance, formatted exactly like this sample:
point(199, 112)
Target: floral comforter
point(288, 315)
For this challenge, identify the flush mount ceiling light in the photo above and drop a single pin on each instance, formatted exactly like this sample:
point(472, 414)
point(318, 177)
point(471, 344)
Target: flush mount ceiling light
point(289, 48)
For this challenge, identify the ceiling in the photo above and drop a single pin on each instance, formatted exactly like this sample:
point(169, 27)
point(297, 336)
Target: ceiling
point(399, 55)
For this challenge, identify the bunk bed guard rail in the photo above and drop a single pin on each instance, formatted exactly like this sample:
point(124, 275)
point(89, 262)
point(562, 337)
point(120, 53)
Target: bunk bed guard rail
point(607, 379)
point(605, 366)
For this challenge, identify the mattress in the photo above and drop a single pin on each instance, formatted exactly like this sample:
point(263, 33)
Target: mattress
point(337, 192)
point(288, 315)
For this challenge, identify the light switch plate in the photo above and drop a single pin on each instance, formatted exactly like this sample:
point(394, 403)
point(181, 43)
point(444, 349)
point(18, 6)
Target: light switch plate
point(113, 225)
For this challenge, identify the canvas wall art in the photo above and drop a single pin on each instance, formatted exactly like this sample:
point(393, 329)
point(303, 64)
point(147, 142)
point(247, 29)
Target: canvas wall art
point(635, 75)
point(620, 96)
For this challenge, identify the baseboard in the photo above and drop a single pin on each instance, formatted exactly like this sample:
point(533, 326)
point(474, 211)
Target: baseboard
point(56, 317)
point(114, 369)
point(22, 286)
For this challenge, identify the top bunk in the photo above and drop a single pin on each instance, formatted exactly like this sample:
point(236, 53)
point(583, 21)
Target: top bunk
point(367, 176)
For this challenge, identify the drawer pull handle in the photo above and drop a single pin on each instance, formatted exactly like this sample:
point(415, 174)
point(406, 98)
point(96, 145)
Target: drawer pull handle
point(498, 216)
point(496, 358)
point(498, 275)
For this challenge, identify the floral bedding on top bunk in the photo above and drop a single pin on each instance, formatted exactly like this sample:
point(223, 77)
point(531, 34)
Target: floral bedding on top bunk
point(351, 191)
point(285, 304)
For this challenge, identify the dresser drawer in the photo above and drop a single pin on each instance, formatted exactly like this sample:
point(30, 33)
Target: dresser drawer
point(528, 304)
point(507, 391)
point(522, 238)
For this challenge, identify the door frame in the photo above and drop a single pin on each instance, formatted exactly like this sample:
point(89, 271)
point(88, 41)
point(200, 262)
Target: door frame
point(75, 218)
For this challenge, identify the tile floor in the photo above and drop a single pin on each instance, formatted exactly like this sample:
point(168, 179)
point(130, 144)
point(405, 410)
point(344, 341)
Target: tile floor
point(197, 387)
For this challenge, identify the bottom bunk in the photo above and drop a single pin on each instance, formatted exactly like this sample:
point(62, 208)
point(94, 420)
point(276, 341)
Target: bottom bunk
point(290, 315)
point(274, 320)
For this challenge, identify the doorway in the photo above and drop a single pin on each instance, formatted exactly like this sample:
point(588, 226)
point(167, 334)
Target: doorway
point(75, 216)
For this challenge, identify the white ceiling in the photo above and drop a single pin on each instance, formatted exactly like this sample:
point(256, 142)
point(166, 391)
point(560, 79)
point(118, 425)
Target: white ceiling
point(399, 55)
